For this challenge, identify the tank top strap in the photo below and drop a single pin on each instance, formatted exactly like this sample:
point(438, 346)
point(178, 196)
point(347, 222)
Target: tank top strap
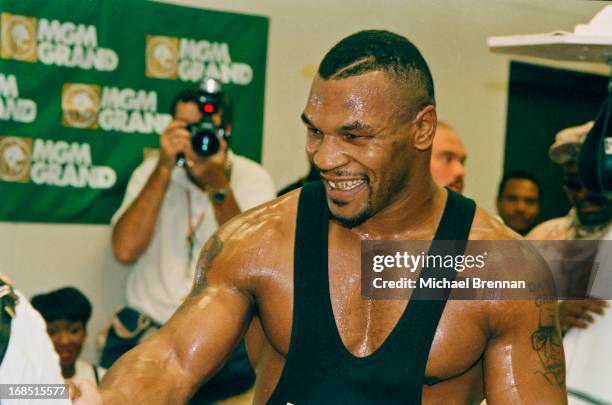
point(425, 308)
point(311, 292)
point(457, 218)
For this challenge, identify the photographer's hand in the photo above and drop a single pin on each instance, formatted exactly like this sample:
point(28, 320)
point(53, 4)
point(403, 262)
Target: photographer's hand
point(174, 140)
point(210, 175)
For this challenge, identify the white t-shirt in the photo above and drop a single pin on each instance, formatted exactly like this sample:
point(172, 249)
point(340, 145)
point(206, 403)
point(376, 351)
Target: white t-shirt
point(162, 277)
point(588, 353)
point(30, 357)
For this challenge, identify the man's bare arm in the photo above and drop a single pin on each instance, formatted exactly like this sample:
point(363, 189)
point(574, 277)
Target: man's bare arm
point(524, 362)
point(169, 366)
point(134, 230)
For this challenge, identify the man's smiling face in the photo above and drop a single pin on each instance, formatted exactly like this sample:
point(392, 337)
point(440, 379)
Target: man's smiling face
point(358, 136)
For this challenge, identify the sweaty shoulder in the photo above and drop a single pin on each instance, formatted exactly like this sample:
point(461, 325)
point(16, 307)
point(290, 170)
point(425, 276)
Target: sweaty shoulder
point(509, 258)
point(487, 227)
point(265, 221)
point(257, 242)
point(553, 229)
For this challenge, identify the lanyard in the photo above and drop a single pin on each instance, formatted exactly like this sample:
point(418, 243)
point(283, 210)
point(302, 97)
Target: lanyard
point(191, 230)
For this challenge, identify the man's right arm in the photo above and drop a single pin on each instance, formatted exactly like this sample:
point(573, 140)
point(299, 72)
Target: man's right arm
point(168, 367)
point(133, 231)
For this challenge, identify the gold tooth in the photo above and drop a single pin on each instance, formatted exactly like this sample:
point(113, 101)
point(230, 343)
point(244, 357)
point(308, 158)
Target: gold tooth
point(345, 185)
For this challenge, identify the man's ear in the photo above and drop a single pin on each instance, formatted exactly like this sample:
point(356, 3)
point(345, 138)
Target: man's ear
point(425, 128)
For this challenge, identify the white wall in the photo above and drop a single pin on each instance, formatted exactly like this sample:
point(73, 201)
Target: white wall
point(470, 81)
point(39, 258)
point(471, 92)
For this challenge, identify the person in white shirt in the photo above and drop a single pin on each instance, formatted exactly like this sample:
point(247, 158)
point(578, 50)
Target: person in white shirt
point(173, 203)
point(66, 312)
point(28, 356)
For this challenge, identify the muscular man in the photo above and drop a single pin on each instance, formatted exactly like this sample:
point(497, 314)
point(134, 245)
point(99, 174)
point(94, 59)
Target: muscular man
point(448, 158)
point(169, 212)
point(295, 263)
point(518, 200)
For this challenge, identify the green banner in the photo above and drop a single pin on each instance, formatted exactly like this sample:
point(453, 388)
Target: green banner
point(86, 87)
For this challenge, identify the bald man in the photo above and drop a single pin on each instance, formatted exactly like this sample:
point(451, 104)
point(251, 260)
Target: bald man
point(448, 158)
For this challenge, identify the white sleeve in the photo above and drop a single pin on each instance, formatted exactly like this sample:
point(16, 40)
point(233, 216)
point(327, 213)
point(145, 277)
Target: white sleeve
point(601, 280)
point(135, 185)
point(251, 184)
point(30, 357)
point(101, 372)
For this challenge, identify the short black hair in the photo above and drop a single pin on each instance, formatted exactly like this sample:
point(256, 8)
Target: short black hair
point(193, 95)
point(518, 174)
point(373, 50)
point(65, 303)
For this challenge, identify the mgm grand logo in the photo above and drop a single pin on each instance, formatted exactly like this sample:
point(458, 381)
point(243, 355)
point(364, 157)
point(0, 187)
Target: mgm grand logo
point(162, 55)
point(15, 158)
point(18, 37)
point(80, 105)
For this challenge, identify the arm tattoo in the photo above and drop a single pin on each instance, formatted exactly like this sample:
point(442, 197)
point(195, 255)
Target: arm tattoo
point(546, 342)
point(205, 262)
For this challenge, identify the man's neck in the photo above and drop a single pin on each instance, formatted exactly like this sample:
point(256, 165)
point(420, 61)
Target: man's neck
point(414, 214)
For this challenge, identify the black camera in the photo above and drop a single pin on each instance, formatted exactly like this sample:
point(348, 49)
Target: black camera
point(205, 135)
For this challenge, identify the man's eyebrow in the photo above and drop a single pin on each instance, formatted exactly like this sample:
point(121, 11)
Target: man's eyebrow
point(307, 120)
point(356, 125)
point(452, 154)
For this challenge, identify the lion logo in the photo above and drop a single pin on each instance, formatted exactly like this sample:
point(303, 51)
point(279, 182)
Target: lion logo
point(15, 158)
point(80, 105)
point(161, 57)
point(18, 37)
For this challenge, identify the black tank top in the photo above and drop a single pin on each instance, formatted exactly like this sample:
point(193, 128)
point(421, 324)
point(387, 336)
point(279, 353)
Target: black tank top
point(318, 368)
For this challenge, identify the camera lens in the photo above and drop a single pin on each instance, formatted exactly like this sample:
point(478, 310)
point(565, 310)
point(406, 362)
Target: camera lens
point(204, 138)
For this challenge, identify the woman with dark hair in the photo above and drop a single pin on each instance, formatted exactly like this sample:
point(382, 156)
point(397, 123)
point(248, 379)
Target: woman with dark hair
point(66, 312)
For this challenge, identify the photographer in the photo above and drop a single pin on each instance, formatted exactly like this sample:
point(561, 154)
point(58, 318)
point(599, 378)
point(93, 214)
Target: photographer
point(173, 203)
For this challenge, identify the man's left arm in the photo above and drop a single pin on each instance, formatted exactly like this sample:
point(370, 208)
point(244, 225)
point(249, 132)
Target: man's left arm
point(524, 361)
